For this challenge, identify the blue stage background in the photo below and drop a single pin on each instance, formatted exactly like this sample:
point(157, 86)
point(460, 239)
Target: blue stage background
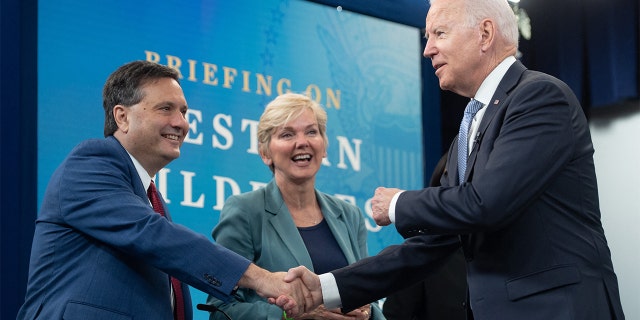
point(236, 56)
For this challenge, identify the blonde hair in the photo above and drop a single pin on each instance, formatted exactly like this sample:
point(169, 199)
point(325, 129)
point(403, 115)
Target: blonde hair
point(281, 110)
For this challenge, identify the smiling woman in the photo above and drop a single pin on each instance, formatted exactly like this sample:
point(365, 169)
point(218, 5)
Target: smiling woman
point(289, 222)
point(295, 124)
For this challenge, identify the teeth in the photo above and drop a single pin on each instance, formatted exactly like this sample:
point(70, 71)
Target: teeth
point(172, 137)
point(301, 157)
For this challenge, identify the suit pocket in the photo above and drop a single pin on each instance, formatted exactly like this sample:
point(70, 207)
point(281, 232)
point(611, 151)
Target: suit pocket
point(81, 310)
point(555, 277)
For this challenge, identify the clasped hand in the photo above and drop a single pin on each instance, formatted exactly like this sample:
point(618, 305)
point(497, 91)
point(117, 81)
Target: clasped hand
point(292, 296)
point(313, 308)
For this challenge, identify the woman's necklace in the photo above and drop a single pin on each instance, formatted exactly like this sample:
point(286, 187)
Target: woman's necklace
point(304, 218)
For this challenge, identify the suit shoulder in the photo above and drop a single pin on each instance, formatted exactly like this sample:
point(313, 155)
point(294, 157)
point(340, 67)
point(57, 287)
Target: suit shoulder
point(99, 147)
point(97, 156)
point(532, 77)
point(537, 84)
point(249, 195)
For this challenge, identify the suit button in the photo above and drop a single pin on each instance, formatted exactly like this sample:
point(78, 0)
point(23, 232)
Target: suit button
point(212, 280)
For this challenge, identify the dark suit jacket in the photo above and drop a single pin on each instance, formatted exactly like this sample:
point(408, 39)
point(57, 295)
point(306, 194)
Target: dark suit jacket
point(258, 226)
point(100, 251)
point(442, 295)
point(528, 212)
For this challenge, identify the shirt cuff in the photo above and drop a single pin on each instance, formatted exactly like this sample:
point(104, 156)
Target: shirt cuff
point(392, 207)
point(330, 293)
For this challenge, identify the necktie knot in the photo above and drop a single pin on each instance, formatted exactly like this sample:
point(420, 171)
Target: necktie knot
point(463, 136)
point(473, 107)
point(152, 189)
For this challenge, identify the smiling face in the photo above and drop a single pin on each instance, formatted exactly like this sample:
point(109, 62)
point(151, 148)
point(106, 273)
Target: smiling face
point(296, 149)
point(152, 130)
point(454, 47)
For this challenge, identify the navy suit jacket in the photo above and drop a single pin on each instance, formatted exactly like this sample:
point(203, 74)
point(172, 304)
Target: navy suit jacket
point(100, 251)
point(527, 212)
point(258, 226)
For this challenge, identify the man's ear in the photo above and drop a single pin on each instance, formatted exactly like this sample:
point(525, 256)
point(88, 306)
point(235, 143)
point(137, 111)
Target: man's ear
point(120, 114)
point(487, 34)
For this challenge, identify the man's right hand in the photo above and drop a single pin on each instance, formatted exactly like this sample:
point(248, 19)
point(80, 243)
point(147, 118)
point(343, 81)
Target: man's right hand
point(292, 296)
point(310, 281)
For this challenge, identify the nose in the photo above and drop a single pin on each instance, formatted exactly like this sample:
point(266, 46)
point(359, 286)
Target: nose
point(179, 121)
point(429, 50)
point(301, 140)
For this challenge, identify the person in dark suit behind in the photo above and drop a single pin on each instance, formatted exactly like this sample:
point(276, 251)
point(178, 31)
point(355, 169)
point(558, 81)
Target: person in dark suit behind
point(442, 294)
point(524, 209)
point(289, 222)
point(100, 250)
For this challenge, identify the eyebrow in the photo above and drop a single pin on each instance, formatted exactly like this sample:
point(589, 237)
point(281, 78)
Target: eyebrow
point(315, 124)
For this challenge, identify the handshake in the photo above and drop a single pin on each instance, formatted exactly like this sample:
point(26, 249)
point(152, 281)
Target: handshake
point(298, 292)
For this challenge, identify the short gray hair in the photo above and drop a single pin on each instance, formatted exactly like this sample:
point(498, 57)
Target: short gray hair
point(498, 10)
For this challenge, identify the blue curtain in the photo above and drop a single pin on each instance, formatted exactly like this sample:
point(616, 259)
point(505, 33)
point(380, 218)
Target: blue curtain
point(592, 45)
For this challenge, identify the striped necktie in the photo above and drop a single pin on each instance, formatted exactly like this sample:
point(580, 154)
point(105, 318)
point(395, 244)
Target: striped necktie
point(463, 137)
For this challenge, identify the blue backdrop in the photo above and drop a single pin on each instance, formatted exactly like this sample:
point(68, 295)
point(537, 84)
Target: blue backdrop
point(234, 57)
point(607, 67)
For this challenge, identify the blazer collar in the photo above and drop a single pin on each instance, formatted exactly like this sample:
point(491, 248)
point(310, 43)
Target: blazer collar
point(282, 223)
point(274, 203)
point(286, 229)
point(508, 82)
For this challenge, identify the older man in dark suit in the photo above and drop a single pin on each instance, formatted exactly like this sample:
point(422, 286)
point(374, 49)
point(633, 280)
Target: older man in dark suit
point(519, 195)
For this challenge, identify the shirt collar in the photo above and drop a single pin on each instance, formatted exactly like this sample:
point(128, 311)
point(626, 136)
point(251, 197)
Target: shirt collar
point(491, 82)
point(142, 173)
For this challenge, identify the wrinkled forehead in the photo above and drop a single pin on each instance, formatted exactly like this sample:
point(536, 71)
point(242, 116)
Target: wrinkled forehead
point(442, 15)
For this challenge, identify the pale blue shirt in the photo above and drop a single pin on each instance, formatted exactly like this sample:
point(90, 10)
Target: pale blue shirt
point(330, 293)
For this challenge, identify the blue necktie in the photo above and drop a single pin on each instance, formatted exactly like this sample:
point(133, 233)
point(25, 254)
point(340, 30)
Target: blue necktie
point(463, 136)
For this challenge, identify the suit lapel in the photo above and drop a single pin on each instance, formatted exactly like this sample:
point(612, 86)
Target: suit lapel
point(507, 83)
point(338, 227)
point(284, 227)
point(489, 114)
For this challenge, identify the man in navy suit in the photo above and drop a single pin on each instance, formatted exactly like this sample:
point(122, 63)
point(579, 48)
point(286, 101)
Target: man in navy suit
point(100, 251)
point(525, 210)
